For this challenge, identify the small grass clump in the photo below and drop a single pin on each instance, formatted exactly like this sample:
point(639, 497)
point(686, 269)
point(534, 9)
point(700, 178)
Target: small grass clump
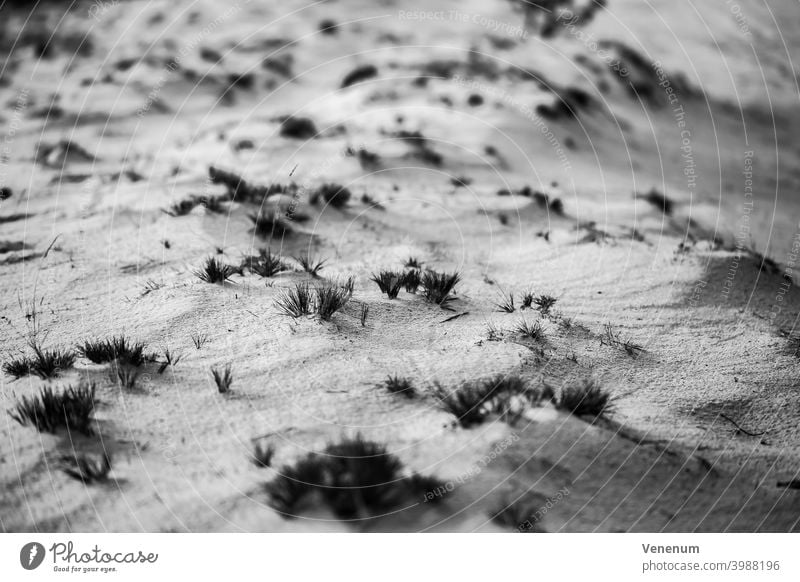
point(411, 280)
point(267, 224)
point(264, 264)
point(413, 263)
point(403, 386)
point(87, 468)
point(215, 271)
point(334, 195)
point(389, 282)
point(170, 359)
point(50, 410)
point(241, 190)
point(354, 478)
point(437, 287)
point(472, 403)
point(527, 300)
point(364, 314)
point(585, 398)
point(119, 348)
point(506, 303)
point(126, 376)
point(544, 303)
point(199, 340)
point(223, 378)
point(529, 330)
point(311, 265)
point(614, 339)
point(330, 298)
point(263, 454)
point(296, 302)
point(44, 363)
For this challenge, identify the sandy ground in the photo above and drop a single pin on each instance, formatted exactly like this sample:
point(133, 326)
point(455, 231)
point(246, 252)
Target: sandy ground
point(84, 237)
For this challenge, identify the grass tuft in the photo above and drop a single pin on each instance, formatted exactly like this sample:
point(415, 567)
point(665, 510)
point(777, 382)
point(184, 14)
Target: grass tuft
point(353, 478)
point(411, 280)
point(437, 287)
point(614, 339)
point(397, 385)
point(44, 363)
point(215, 271)
point(199, 339)
point(334, 195)
point(295, 302)
point(585, 398)
point(264, 264)
point(310, 265)
point(49, 410)
point(119, 348)
point(223, 378)
point(389, 282)
point(507, 304)
point(544, 303)
point(262, 455)
point(472, 403)
point(267, 224)
point(87, 468)
point(532, 331)
point(330, 298)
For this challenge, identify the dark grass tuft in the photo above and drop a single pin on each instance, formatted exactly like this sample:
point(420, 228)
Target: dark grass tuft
point(49, 410)
point(354, 478)
point(296, 302)
point(267, 224)
point(87, 468)
point(437, 287)
point(44, 363)
point(364, 314)
point(397, 385)
point(532, 331)
point(264, 264)
point(359, 74)
point(659, 201)
point(298, 128)
point(527, 300)
point(311, 265)
point(506, 303)
point(330, 298)
point(263, 454)
point(544, 303)
point(241, 190)
point(126, 375)
point(119, 348)
point(389, 282)
point(585, 398)
point(223, 378)
point(413, 263)
point(614, 339)
point(412, 280)
point(472, 403)
point(170, 359)
point(215, 271)
point(199, 339)
point(334, 195)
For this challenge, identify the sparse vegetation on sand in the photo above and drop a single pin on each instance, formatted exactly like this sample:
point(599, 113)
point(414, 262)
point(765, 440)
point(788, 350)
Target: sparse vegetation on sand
point(268, 224)
point(544, 303)
point(399, 385)
point(215, 271)
point(438, 287)
point(389, 282)
point(334, 195)
point(311, 265)
point(125, 375)
point(472, 402)
point(506, 303)
point(353, 478)
point(529, 330)
point(297, 301)
point(412, 280)
point(263, 454)
point(199, 339)
point(120, 348)
point(586, 397)
point(242, 191)
point(264, 264)
point(614, 339)
point(171, 358)
point(86, 467)
point(44, 363)
point(223, 378)
point(330, 298)
point(50, 410)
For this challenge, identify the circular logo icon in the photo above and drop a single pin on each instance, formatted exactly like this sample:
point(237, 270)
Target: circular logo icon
point(31, 555)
